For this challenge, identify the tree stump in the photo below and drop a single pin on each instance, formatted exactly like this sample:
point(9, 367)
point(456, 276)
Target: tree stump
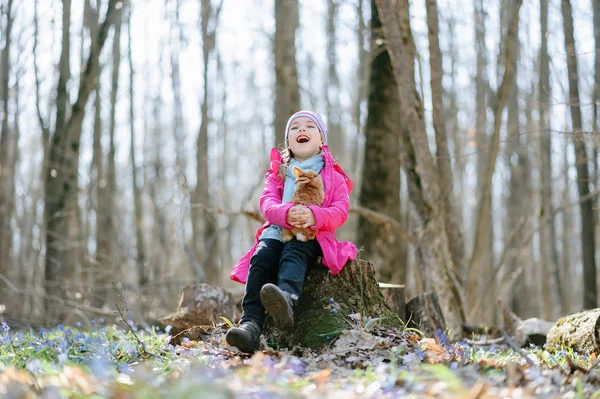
point(577, 331)
point(200, 305)
point(322, 311)
point(395, 297)
point(424, 313)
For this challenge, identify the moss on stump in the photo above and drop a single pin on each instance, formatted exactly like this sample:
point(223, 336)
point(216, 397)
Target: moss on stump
point(578, 331)
point(327, 300)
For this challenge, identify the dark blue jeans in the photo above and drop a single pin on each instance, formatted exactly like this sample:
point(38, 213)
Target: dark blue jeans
point(278, 263)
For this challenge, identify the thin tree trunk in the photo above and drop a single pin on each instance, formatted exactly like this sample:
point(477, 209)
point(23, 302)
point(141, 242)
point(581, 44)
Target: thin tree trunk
point(61, 173)
point(482, 142)
point(517, 185)
point(287, 90)
point(431, 243)
point(596, 95)
point(205, 230)
point(548, 236)
point(106, 231)
point(451, 222)
point(380, 188)
point(335, 133)
point(588, 223)
point(7, 142)
point(137, 195)
point(484, 210)
point(360, 93)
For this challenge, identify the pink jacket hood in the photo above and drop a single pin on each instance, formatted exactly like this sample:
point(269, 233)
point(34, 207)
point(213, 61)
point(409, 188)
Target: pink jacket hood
point(329, 216)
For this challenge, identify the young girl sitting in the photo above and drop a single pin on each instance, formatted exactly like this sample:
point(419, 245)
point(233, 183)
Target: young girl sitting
point(274, 271)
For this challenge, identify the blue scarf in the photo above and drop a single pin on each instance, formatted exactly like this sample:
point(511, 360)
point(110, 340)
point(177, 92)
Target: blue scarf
point(315, 164)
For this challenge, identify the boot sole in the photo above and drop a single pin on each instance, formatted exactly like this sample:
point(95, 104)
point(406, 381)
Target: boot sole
point(276, 305)
point(240, 342)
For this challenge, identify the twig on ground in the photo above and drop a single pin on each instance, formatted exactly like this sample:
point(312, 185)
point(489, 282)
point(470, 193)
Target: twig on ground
point(509, 341)
point(119, 297)
point(494, 341)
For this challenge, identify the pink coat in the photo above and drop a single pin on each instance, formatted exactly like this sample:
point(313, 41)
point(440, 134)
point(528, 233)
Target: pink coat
point(329, 216)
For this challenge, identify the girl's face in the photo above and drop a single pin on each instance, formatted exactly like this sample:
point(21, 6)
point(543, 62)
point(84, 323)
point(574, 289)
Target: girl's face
point(304, 138)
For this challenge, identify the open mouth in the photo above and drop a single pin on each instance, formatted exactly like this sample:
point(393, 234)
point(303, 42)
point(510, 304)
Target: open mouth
point(302, 139)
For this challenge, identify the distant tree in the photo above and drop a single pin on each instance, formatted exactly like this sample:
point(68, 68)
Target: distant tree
point(61, 171)
point(588, 223)
point(204, 222)
point(287, 90)
point(8, 143)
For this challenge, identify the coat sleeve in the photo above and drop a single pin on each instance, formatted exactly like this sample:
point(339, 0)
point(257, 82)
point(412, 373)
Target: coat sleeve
point(335, 214)
point(270, 203)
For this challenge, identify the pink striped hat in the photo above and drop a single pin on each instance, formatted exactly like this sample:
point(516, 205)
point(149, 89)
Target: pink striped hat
point(316, 118)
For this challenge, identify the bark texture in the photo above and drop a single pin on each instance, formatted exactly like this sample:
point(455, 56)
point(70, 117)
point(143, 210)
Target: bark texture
point(484, 209)
point(449, 209)
point(204, 223)
point(200, 305)
point(588, 222)
point(8, 144)
point(431, 243)
point(61, 171)
point(380, 188)
point(287, 90)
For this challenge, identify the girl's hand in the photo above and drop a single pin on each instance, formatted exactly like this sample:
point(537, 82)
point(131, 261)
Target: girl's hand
point(300, 216)
point(310, 218)
point(293, 216)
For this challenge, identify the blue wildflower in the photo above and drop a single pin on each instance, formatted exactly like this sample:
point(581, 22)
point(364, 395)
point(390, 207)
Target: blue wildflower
point(334, 310)
point(61, 327)
point(101, 320)
point(78, 324)
point(331, 300)
point(420, 353)
point(5, 327)
point(94, 321)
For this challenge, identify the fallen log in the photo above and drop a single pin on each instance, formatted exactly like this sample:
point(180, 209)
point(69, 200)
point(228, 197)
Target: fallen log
point(578, 331)
point(424, 314)
point(327, 300)
point(200, 304)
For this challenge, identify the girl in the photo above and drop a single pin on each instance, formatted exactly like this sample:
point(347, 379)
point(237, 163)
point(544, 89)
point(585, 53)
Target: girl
point(274, 272)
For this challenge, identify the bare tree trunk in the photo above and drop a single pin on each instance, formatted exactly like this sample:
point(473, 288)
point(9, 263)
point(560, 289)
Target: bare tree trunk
point(335, 132)
point(452, 224)
point(7, 143)
point(360, 93)
point(105, 268)
point(431, 243)
point(588, 223)
point(205, 229)
point(380, 188)
point(287, 91)
point(596, 95)
point(61, 173)
point(517, 184)
point(482, 142)
point(179, 129)
point(137, 195)
point(548, 236)
point(484, 210)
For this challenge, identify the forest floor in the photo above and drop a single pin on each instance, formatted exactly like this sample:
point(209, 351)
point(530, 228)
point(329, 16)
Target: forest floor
point(367, 361)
